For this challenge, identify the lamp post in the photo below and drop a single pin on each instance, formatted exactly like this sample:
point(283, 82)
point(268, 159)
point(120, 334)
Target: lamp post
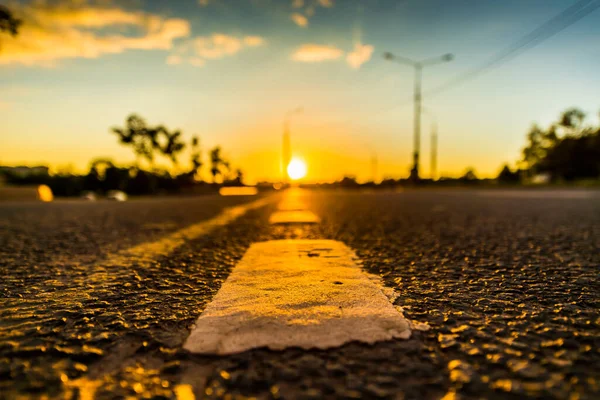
point(286, 154)
point(418, 67)
point(434, 142)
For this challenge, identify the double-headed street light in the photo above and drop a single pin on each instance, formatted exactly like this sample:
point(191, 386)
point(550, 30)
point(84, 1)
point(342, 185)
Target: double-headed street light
point(286, 154)
point(418, 66)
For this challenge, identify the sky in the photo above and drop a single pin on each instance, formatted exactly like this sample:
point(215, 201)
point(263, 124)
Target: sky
point(229, 72)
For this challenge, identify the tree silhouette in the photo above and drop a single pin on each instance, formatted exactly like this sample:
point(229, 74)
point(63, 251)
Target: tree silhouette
point(507, 175)
point(173, 146)
point(146, 140)
point(196, 157)
point(567, 150)
point(8, 23)
point(218, 166)
point(572, 119)
point(239, 177)
point(534, 151)
point(137, 135)
point(469, 176)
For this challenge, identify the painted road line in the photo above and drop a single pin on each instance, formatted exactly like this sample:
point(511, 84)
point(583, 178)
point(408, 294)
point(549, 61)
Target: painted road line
point(296, 293)
point(147, 252)
point(294, 217)
point(291, 205)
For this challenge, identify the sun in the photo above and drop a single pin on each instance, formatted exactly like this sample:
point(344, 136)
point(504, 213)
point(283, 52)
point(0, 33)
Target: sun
point(296, 169)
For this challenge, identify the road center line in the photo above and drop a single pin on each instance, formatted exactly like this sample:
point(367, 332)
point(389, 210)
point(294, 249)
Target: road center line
point(296, 293)
point(147, 252)
point(294, 217)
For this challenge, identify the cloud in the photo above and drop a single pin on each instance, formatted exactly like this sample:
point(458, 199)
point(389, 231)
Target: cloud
point(308, 10)
point(54, 32)
point(89, 17)
point(325, 3)
point(174, 59)
point(312, 53)
point(254, 41)
point(360, 55)
point(218, 45)
point(299, 19)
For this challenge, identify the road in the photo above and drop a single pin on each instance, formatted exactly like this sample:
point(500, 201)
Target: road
point(98, 298)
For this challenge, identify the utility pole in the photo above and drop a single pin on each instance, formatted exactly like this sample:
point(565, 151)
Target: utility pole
point(418, 66)
point(286, 153)
point(434, 143)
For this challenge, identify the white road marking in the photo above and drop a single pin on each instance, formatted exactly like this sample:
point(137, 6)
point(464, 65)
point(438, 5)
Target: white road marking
point(238, 191)
point(291, 205)
point(293, 217)
point(150, 251)
point(296, 293)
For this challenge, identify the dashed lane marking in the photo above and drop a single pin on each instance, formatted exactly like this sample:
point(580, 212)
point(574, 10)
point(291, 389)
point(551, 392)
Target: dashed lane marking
point(296, 293)
point(291, 205)
point(294, 217)
point(147, 252)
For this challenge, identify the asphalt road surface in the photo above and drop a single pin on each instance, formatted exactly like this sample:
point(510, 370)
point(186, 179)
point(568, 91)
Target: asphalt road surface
point(507, 281)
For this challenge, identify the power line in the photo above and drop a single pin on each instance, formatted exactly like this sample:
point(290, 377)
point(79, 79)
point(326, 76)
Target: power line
point(543, 32)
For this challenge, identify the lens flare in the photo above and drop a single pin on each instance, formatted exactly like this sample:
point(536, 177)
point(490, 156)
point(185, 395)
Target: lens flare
point(296, 169)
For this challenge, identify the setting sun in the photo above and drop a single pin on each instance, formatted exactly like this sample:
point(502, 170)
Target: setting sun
point(296, 169)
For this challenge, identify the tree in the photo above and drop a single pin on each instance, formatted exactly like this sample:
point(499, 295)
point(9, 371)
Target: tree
point(534, 151)
point(147, 141)
point(136, 134)
point(568, 150)
point(218, 165)
point(239, 177)
point(8, 23)
point(173, 145)
point(469, 175)
point(572, 118)
point(195, 157)
point(507, 175)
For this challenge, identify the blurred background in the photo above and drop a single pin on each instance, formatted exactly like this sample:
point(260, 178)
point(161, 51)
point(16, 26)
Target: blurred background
point(150, 97)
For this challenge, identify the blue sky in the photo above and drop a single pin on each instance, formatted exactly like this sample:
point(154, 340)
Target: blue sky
point(230, 70)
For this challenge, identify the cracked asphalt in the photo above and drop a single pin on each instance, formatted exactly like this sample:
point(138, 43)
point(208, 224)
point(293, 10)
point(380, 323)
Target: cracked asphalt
point(507, 283)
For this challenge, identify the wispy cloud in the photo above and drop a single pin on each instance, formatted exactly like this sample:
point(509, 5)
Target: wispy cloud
point(299, 19)
point(198, 50)
point(312, 53)
point(174, 59)
point(325, 3)
point(54, 32)
point(254, 41)
point(308, 9)
point(360, 55)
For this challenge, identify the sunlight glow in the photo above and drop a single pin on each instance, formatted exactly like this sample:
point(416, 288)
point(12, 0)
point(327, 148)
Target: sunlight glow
point(296, 169)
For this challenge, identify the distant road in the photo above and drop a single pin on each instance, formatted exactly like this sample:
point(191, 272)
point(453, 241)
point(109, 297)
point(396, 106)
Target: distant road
point(98, 298)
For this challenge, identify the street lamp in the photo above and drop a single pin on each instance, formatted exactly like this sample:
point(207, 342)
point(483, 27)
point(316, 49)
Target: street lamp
point(286, 154)
point(434, 140)
point(418, 66)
